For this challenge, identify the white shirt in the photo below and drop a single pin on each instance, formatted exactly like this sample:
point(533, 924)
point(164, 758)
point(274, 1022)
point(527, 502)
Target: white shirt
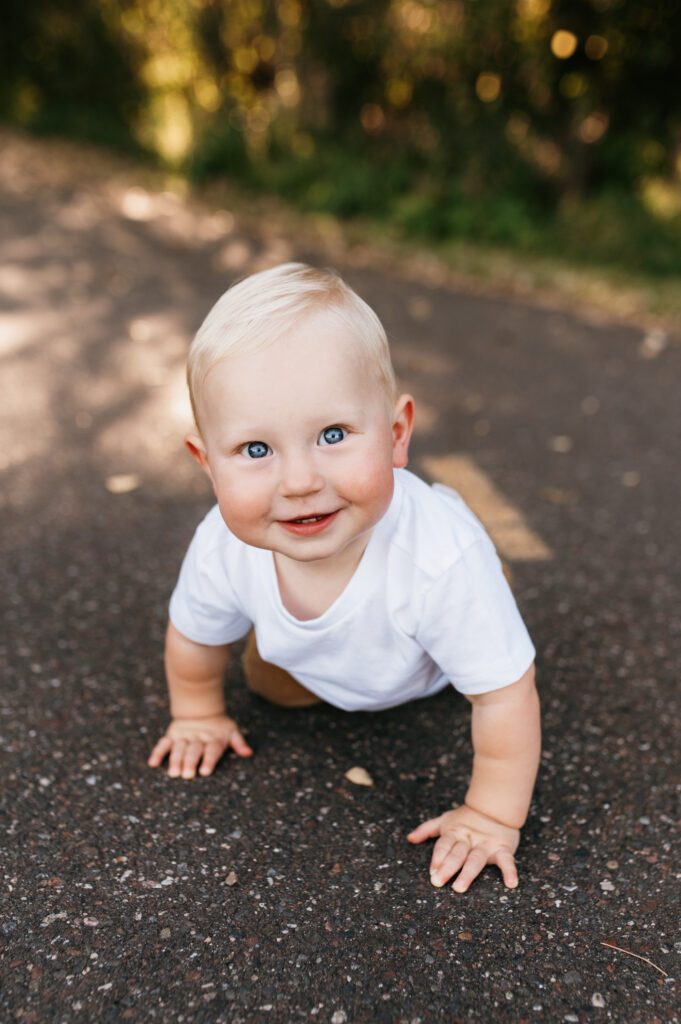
point(428, 604)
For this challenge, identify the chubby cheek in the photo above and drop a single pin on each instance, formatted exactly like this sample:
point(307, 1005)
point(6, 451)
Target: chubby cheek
point(242, 505)
point(369, 484)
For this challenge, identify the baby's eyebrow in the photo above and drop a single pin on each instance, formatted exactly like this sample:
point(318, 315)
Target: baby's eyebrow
point(242, 434)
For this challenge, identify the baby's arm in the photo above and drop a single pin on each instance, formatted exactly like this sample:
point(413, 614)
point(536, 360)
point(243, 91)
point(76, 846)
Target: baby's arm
point(200, 730)
point(506, 732)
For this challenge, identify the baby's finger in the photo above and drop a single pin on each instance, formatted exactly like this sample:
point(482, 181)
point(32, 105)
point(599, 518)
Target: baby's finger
point(192, 756)
point(211, 755)
point(506, 862)
point(428, 830)
point(447, 866)
point(475, 862)
point(239, 745)
point(159, 752)
point(441, 850)
point(176, 759)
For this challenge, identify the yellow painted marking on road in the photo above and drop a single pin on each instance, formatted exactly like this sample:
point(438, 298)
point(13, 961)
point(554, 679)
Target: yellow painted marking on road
point(505, 523)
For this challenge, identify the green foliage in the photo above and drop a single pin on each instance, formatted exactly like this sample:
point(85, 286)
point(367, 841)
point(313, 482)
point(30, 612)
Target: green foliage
point(612, 228)
point(544, 125)
point(66, 67)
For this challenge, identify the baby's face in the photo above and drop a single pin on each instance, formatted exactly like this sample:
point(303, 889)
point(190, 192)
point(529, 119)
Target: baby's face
point(299, 442)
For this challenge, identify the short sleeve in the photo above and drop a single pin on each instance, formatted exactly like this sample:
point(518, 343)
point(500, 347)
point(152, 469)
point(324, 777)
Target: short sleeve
point(470, 624)
point(204, 606)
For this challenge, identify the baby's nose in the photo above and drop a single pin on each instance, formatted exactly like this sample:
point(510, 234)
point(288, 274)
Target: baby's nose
point(299, 477)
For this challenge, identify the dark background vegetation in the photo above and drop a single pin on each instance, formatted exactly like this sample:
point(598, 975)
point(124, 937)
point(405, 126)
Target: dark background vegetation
point(541, 125)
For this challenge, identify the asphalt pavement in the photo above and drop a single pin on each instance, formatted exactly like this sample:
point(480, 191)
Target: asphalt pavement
point(276, 890)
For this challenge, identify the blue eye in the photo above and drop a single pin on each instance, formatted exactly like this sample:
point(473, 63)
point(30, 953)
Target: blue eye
point(332, 435)
point(256, 450)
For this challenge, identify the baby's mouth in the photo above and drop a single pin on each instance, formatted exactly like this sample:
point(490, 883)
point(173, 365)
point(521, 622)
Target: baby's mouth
point(303, 526)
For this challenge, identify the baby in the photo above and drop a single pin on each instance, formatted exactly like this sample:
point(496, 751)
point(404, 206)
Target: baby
point(364, 586)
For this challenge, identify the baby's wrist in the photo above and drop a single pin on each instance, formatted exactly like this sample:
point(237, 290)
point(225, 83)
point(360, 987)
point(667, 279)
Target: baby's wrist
point(492, 817)
point(195, 714)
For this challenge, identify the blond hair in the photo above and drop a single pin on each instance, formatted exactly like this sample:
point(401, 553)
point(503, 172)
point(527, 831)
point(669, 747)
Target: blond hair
point(260, 308)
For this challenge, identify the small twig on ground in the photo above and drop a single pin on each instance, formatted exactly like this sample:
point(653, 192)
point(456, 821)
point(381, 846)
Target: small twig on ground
point(629, 953)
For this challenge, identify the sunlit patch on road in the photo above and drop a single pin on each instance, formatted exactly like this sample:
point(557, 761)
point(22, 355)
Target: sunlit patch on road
point(123, 483)
point(506, 525)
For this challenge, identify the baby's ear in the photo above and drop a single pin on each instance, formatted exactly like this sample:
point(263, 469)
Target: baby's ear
point(403, 424)
point(197, 450)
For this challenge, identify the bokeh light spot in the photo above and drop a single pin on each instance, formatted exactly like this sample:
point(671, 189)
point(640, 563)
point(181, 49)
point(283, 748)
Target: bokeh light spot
point(286, 84)
point(488, 86)
point(572, 85)
point(596, 47)
point(398, 92)
point(593, 127)
point(372, 118)
point(563, 44)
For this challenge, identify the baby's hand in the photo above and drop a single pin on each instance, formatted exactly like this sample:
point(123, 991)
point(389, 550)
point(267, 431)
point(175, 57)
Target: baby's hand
point(468, 841)
point(189, 741)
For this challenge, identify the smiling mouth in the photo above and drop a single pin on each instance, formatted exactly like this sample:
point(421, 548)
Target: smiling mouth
point(304, 525)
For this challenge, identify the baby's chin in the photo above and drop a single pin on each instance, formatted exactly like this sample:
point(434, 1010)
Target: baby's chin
point(350, 550)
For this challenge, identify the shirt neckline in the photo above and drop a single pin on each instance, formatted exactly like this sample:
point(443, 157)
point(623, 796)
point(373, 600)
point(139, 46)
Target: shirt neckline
point(354, 590)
